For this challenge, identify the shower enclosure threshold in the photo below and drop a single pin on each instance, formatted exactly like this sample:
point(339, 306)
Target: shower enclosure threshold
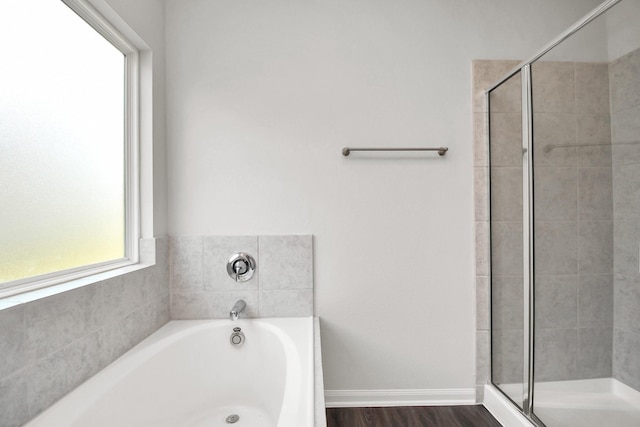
point(586, 403)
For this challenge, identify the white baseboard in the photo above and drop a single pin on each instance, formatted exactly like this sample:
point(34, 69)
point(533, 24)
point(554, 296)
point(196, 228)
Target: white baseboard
point(406, 397)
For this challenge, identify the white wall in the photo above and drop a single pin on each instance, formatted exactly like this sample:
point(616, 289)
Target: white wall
point(262, 96)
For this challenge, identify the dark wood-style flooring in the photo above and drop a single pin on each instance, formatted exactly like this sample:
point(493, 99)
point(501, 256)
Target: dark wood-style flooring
point(412, 416)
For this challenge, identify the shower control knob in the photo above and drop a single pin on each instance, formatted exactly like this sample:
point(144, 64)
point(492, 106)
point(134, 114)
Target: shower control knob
point(241, 267)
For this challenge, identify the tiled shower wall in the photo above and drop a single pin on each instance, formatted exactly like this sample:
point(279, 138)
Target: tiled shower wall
point(484, 73)
point(574, 222)
point(52, 345)
point(624, 77)
point(282, 285)
point(506, 230)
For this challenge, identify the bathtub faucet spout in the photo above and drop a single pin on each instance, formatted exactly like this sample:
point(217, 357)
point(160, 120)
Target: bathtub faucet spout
point(237, 309)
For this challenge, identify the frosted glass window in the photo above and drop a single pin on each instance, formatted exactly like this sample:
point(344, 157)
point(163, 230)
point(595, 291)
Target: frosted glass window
point(62, 144)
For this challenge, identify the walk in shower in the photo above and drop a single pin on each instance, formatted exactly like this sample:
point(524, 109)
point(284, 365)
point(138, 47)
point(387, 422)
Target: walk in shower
point(564, 196)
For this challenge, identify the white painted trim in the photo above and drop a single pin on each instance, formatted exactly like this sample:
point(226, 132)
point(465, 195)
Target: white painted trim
point(502, 409)
point(404, 397)
point(133, 168)
point(132, 120)
point(45, 292)
point(93, 17)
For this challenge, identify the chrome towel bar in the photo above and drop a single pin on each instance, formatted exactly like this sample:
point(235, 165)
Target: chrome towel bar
point(441, 150)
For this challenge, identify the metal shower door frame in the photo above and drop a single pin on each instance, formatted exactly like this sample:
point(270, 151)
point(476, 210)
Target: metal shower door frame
point(524, 68)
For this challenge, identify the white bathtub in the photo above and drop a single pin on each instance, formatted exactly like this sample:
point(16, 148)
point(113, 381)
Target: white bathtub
point(187, 374)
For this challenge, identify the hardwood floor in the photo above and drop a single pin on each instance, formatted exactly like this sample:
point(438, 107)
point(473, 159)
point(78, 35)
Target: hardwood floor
point(412, 416)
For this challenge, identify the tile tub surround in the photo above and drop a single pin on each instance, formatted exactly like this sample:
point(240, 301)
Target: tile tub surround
point(574, 221)
point(282, 285)
point(52, 345)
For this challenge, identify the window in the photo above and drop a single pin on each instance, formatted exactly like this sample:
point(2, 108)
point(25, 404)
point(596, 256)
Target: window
point(68, 163)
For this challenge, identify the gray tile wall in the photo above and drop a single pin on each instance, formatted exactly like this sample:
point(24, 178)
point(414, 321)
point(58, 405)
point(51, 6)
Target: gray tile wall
point(52, 345)
point(624, 77)
point(574, 221)
point(282, 285)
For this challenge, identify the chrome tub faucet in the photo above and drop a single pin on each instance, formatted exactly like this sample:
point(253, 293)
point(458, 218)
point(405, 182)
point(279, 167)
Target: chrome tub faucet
point(237, 309)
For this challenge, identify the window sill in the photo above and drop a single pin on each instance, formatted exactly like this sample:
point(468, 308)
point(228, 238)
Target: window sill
point(147, 259)
point(29, 296)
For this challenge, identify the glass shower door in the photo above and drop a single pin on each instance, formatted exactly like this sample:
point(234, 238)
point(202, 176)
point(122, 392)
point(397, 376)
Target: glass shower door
point(586, 122)
point(507, 297)
point(565, 226)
